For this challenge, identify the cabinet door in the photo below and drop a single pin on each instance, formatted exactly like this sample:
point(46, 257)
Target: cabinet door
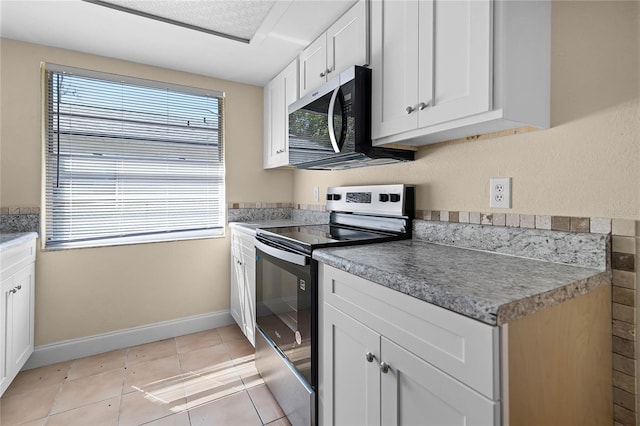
point(313, 65)
point(249, 288)
point(5, 286)
point(290, 77)
point(278, 94)
point(456, 60)
point(351, 392)
point(20, 310)
point(413, 392)
point(235, 289)
point(347, 40)
point(275, 117)
point(394, 60)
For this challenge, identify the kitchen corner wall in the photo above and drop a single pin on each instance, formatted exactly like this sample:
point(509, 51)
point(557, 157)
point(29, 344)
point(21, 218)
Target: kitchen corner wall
point(587, 165)
point(84, 292)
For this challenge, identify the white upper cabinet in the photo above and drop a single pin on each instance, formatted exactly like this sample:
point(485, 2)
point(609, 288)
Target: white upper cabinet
point(313, 65)
point(456, 81)
point(394, 59)
point(278, 94)
point(344, 44)
point(449, 69)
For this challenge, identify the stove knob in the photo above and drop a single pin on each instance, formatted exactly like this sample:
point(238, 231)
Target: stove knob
point(336, 197)
point(384, 198)
point(329, 196)
point(395, 198)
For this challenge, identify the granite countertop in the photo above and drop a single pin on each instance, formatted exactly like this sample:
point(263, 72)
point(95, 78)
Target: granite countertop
point(267, 224)
point(9, 240)
point(490, 287)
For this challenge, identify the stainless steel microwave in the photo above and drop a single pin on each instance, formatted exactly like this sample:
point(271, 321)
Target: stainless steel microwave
point(330, 128)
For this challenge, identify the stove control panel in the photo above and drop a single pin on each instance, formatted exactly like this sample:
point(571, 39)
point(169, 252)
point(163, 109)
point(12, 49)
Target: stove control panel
point(391, 200)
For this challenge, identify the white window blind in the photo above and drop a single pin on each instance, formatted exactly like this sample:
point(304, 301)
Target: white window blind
point(130, 160)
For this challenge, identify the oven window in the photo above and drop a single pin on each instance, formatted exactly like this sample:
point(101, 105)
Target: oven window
point(283, 307)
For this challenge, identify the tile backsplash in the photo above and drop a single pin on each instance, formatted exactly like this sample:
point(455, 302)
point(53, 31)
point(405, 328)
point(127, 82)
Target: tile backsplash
point(554, 223)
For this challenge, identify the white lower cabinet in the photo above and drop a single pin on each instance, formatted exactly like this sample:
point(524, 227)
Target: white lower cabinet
point(243, 281)
point(385, 359)
point(17, 313)
point(389, 358)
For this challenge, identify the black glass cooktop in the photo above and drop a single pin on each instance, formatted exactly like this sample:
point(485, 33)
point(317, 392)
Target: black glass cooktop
point(308, 237)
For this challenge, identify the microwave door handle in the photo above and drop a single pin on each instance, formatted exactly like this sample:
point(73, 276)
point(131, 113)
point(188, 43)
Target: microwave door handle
point(298, 259)
point(332, 134)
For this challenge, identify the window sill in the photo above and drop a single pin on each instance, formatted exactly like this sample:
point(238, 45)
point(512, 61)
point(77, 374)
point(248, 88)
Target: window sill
point(141, 239)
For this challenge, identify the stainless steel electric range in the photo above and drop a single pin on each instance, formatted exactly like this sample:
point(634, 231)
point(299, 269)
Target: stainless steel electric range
point(287, 285)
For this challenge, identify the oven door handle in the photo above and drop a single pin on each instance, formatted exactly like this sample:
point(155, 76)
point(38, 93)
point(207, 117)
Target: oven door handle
point(298, 259)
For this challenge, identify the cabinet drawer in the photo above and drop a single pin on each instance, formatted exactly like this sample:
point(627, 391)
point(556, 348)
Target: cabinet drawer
point(464, 348)
point(16, 257)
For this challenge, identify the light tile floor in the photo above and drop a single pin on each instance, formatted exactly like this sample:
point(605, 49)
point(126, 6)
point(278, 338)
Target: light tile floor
point(206, 378)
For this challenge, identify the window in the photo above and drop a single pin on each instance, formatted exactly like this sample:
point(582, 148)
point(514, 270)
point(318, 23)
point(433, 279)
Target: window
point(130, 160)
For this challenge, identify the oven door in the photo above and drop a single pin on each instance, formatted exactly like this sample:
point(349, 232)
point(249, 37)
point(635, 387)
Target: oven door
point(285, 297)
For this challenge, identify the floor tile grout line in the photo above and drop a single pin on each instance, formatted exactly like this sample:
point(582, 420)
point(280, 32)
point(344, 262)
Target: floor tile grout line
point(53, 403)
point(124, 380)
point(255, 407)
point(75, 407)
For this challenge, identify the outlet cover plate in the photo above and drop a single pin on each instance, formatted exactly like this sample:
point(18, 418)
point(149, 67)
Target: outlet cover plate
point(500, 193)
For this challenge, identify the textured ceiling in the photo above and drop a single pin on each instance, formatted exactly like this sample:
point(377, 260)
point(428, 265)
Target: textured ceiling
point(84, 26)
point(239, 19)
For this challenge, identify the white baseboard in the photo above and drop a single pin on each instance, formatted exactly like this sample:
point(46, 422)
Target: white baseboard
point(100, 343)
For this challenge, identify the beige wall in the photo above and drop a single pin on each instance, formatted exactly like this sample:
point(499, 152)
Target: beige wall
point(90, 291)
point(587, 164)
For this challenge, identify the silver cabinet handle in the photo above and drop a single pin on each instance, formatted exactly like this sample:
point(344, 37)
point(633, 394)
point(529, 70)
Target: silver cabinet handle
point(279, 151)
point(325, 72)
point(329, 71)
point(384, 367)
point(424, 105)
point(13, 290)
point(370, 357)
point(409, 109)
point(322, 74)
point(18, 287)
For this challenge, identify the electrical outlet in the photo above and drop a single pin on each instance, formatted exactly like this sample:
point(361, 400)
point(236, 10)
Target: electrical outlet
point(500, 193)
point(316, 193)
